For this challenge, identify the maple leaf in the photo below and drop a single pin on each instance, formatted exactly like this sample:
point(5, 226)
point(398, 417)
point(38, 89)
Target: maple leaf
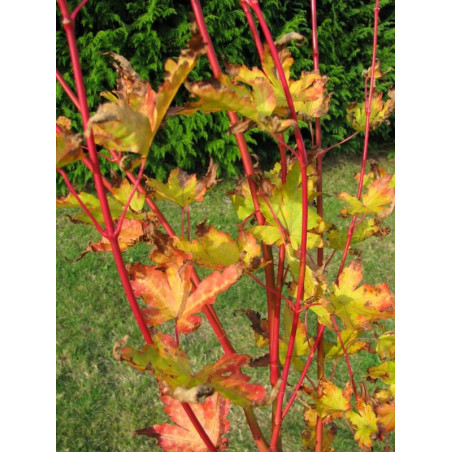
point(68, 145)
point(365, 421)
point(129, 122)
point(183, 437)
point(378, 201)
point(333, 401)
point(122, 194)
point(258, 94)
point(217, 250)
point(379, 112)
point(285, 203)
point(169, 363)
point(357, 306)
point(385, 418)
point(166, 289)
point(182, 188)
point(338, 238)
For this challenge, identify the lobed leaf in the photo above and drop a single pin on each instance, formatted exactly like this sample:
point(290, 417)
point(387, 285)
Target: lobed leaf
point(365, 422)
point(130, 121)
point(258, 95)
point(217, 250)
point(333, 401)
point(166, 290)
point(358, 307)
point(182, 188)
point(379, 112)
point(182, 435)
point(378, 201)
point(169, 363)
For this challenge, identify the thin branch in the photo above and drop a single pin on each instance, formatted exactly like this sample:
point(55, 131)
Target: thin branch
point(305, 371)
point(350, 372)
point(63, 174)
point(366, 137)
point(287, 300)
point(77, 10)
point(254, 32)
point(67, 89)
point(342, 142)
point(129, 200)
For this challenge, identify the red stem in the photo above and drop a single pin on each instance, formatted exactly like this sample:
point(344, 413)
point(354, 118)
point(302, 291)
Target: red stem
point(366, 136)
point(319, 167)
point(305, 371)
point(199, 428)
point(68, 25)
point(246, 159)
point(303, 162)
point(254, 32)
point(276, 292)
point(333, 370)
point(68, 90)
point(129, 200)
point(350, 372)
point(78, 8)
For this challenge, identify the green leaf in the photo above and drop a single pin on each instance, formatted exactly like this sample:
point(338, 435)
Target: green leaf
point(338, 238)
point(333, 401)
point(93, 204)
point(385, 371)
point(378, 201)
point(386, 345)
point(365, 422)
point(258, 95)
point(183, 188)
point(379, 112)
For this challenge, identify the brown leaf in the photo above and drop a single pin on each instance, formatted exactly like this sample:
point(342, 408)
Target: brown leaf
point(259, 325)
point(262, 361)
point(117, 347)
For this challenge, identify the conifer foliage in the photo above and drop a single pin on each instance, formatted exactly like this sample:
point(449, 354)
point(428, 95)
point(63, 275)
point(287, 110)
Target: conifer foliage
point(147, 32)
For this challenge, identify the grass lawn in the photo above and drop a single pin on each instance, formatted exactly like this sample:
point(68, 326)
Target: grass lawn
point(100, 402)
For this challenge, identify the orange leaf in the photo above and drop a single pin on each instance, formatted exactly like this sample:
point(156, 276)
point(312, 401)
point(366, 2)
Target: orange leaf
point(183, 437)
point(357, 306)
point(166, 289)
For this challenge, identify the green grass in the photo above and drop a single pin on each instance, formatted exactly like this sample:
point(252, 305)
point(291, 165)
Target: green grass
point(100, 402)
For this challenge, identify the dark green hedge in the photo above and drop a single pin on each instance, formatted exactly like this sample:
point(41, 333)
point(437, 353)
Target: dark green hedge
point(147, 32)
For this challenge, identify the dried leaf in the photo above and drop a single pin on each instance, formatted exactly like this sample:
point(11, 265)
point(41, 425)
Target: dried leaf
point(68, 145)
